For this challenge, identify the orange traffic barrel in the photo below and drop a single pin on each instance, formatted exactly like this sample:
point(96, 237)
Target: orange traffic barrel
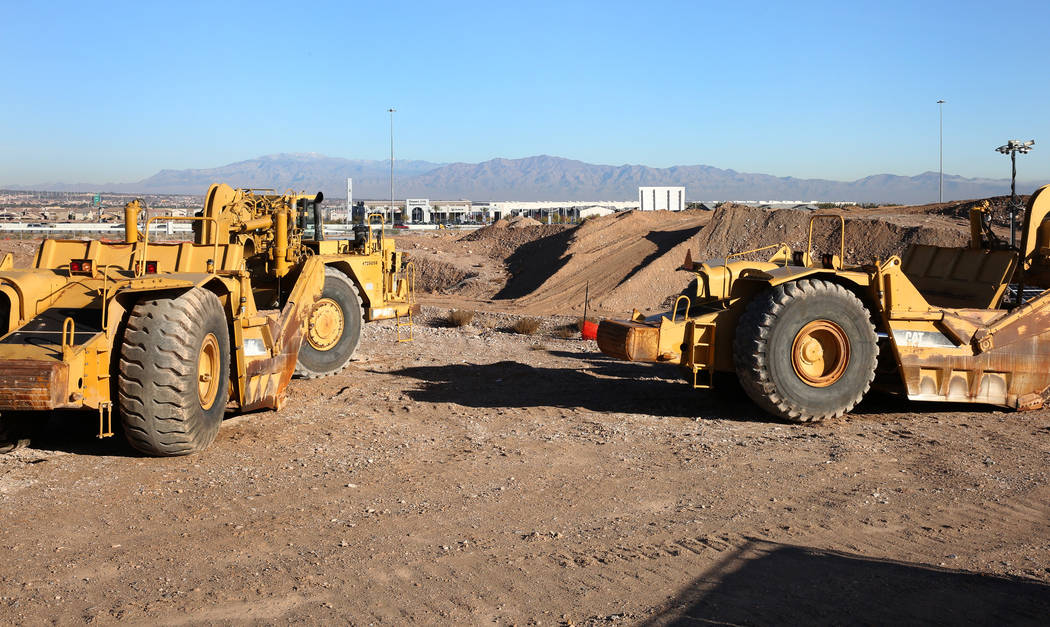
point(590, 330)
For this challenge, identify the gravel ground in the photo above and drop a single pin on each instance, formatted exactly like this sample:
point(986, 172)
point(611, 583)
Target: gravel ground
point(480, 476)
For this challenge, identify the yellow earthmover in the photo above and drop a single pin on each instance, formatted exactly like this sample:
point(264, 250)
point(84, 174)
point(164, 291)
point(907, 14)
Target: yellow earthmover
point(807, 335)
point(170, 334)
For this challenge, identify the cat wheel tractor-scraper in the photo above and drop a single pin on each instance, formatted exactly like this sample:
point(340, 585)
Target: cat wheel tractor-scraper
point(807, 335)
point(169, 334)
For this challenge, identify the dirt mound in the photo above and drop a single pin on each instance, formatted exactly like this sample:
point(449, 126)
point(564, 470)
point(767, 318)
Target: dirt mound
point(438, 277)
point(631, 259)
point(519, 222)
point(999, 208)
point(503, 237)
point(622, 257)
point(739, 228)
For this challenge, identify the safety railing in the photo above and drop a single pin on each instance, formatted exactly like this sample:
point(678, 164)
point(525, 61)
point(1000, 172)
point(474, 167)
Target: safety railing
point(382, 231)
point(842, 235)
point(688, 306)
point(727, 285)
point(68, 339)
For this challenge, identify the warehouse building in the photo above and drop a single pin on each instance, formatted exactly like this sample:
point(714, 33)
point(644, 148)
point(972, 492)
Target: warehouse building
point(661, 198)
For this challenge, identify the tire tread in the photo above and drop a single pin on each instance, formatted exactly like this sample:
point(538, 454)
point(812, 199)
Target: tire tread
point(304, 371)
point(751, 348)
point(156, 388)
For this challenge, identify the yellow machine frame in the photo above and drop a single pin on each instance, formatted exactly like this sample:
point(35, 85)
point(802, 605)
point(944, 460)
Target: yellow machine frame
point(946, 331)
point(61, 320)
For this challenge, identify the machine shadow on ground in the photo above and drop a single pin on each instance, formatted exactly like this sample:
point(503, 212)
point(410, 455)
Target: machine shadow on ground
point(609, 366)
point(75, 432)
point(768, 583)
point(727, 391)
point(604, 387)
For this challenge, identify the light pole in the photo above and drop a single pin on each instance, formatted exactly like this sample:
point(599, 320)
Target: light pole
point(1011, 148)
point(391, 111)
point(940, 179)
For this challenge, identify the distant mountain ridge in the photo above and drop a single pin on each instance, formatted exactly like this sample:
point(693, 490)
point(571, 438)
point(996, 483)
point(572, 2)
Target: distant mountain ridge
point(299, 171)
point(555, 178)
point(543, 178)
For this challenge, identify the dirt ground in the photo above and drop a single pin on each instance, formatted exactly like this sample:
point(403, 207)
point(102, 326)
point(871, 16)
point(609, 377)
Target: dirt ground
point(478, 476)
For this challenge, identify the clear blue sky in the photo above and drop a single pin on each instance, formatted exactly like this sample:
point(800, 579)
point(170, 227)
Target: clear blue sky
point(113, 92)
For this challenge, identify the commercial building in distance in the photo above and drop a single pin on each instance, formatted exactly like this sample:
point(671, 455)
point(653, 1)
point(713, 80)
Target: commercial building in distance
point(427, 211)
point(418, 210)
point(661, 198)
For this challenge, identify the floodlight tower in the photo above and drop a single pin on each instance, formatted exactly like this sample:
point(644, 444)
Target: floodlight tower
point(1011, 148)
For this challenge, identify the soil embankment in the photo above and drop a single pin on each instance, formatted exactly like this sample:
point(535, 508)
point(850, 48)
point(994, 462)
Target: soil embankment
point(624, 257)
point(631, 259)
point(735, 229)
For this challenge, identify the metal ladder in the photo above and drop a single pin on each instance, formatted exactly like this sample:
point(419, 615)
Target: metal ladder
point(702, 345)
point(700, 338)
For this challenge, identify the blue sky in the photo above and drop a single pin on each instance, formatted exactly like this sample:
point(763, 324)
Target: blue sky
point(114, 92)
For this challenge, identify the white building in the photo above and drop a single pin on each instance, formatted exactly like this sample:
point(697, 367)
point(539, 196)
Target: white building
point(661, 198)
point(596, 212)
point(454, 211)
point(543, 210)
point(417, 210)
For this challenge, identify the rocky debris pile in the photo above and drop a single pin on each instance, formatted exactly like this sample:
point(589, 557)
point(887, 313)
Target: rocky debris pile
point(439, 277)
point(22, 251)
point(998, 206)
point(436, 320)
point(738, 228)
point(504, 236)
point(515, 222)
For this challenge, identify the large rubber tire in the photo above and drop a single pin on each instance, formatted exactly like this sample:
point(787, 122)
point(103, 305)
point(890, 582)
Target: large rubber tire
point(174, 377)
point(806, 351)
point(333, 330)
point(13, 434)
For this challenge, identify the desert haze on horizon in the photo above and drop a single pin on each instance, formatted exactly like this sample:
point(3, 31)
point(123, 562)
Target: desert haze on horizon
point(541, 178)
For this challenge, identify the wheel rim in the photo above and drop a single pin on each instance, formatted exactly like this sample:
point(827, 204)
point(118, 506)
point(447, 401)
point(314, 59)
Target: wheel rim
point(820, 353)
point(208, 375)
point(326, 324)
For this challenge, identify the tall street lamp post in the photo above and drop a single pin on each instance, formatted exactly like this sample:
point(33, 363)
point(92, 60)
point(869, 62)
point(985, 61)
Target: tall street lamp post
point(940, 179)
point(391, 111)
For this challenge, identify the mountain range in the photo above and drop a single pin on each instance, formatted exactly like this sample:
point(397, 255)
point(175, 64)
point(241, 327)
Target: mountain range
point(541, 178)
